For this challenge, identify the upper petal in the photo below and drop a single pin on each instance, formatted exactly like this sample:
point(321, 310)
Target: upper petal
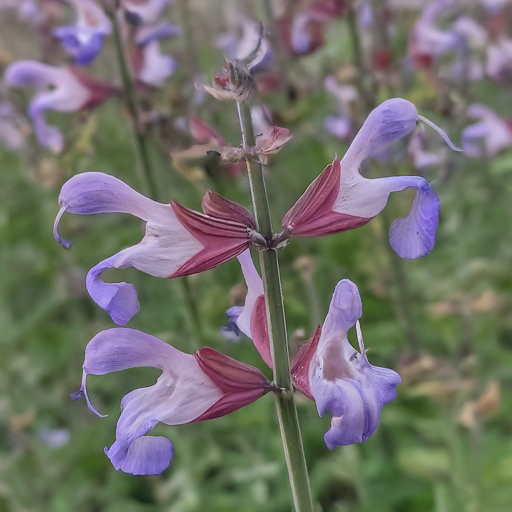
point(390, 121)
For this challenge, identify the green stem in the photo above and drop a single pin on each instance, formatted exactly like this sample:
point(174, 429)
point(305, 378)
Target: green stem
point(363, 76)
point(133, 107)
point(286, 410)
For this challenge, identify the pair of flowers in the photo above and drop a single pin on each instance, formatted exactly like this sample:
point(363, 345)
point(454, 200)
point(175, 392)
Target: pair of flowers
point(179, 241)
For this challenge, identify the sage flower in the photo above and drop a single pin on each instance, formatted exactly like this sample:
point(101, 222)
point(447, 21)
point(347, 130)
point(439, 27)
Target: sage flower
point(59, 89)
point(340, 379)
point(341, 198)
point(178, 241)
point(152, 67)
point(490, 135)
point(84, 39)
point(191, 388)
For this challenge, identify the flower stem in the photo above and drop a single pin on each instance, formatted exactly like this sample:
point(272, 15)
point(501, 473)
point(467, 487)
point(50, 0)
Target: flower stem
point(133, 107)
point(286, 410)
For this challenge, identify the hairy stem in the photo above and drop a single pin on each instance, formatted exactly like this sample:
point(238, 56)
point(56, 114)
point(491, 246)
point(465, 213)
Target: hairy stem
point(286, 410)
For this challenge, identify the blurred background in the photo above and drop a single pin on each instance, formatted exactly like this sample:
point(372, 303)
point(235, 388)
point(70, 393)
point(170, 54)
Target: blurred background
point(443, 321)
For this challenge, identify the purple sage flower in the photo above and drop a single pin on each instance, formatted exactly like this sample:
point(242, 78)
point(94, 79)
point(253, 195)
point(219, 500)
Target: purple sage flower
point(59, 89)
point(489, 136)
point(153, 68)
point(341, 126)
point(84, 39)
point(340, 379)
point(178, 241)
point(341, 198)
point(191, 388)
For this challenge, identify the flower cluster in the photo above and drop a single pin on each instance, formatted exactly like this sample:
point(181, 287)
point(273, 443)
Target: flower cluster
point(179, 241)
point(69, 88)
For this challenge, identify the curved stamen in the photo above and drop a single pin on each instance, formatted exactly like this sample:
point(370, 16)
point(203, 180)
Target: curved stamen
point(65, 243)
point(441, 132)
point(82, 392)
point(360, 340)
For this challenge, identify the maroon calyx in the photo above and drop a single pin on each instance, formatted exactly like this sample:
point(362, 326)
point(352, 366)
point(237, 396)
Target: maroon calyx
point(313, 215)
point(241, 383)
point(259, 330)
point(300, 363)
point(99, 91)
point(221, 208)
point(203, 132)
point(222, 239)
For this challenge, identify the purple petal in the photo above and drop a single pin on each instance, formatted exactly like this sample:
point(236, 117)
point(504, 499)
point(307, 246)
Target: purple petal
point(161, 30)
point(356, 405)
point(118, 349)
point(254, 290)
point(414, 236)
point(339, 127)
point(84, 45)
point(96, 192)
point(345, 309)
point(473, 139)
point(119, 300)
point(144, 456)
point(49, 136)
point(230, 331)
point(29, 72)
point(389, 122)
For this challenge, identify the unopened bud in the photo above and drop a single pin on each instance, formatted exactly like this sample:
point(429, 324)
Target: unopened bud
point(233, 83)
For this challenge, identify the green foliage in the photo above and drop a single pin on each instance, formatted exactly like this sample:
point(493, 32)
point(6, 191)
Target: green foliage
point(425, 456)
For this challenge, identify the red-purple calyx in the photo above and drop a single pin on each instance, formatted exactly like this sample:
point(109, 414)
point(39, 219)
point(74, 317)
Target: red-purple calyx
point(313, 215)
point(241, 383)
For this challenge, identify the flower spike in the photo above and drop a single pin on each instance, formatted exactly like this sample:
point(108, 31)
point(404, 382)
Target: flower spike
point(191, 388)
point(341, 199)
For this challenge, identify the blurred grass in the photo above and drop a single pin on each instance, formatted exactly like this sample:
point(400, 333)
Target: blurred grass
point(421, 459)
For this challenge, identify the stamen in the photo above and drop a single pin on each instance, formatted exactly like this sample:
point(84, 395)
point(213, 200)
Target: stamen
point(84, 392)
point(441, 132)
point(65, 243)
point(360, 339)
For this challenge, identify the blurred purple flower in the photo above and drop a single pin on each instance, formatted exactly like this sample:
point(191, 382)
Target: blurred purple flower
point(339, 378)
point(341, 199)
point(342, 126)
point(303, 32)
point(487, 137)
point(59, 89)
point(178, 241)
point(153, 68)
point(418, 152)
point(84, 39)
point(146, 11)
point(427, 41)
point(499, 60)
point(192, 388)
